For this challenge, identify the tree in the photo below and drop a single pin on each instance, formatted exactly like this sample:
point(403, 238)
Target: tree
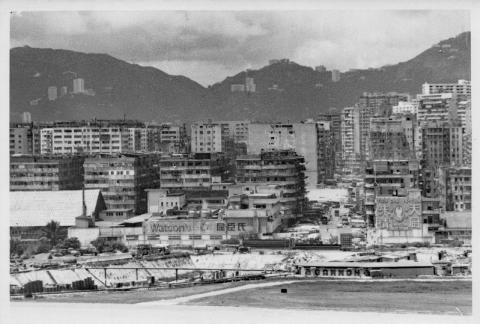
point(54, 232)
point(99, 244)
point(103, 245)
point(16, 247)
point(71, 242)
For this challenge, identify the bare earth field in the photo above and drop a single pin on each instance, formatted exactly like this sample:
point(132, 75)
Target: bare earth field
point(133, 296)
point(429, 297)
point(442, 297)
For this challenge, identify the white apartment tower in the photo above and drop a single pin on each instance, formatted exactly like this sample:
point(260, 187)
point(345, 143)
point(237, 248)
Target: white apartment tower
point(52, 93)
point(26, 117)
point(206, 137)
point(78, 85)
point(350, 132)
point(462, 87)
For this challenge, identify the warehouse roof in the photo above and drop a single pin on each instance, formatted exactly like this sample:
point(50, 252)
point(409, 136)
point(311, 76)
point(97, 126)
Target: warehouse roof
point(457, 219)
point(137, 219)
point(334, 264)
point(37, 208)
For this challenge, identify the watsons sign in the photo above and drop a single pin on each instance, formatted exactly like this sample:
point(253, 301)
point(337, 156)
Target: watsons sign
point(165, 228)
point(199, 226)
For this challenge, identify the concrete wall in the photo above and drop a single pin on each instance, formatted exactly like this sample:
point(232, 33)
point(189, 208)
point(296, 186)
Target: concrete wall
point(382, 236)
point(84, 235)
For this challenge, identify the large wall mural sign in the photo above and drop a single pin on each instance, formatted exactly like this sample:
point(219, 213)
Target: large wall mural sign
point(399, 213)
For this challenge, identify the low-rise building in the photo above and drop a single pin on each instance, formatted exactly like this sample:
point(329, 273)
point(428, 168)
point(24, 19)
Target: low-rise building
point(161, 200)
point(30, 211)
point(457, 227)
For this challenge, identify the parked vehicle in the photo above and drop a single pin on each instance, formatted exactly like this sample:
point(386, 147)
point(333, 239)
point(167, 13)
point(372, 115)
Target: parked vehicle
point(88, 251)
point(149, 250)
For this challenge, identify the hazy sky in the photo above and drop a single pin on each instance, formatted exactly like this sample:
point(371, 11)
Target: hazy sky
point(209, 46)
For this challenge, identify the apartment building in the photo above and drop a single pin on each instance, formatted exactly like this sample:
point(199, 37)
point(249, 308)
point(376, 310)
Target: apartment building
point(391, 138)
point(24, 139)
point(459, 189)
point(192, 172)
point(375, 105)
point(388, 178)
point(442, 144)
point(335, 120)
point(46, 173)
point(326, 151)
point(96, 137)
point(350, 135)
point(123, 180)
point(462, 87)
point(440, 107)
point(283, 169)
point(300, 137)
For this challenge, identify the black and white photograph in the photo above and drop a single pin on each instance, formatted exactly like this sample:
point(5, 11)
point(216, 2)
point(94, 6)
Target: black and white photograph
point(267, 161)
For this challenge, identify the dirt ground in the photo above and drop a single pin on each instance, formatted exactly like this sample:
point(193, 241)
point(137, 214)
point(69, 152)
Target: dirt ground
point(133, 296)
point(441, 297)
point(437, 297)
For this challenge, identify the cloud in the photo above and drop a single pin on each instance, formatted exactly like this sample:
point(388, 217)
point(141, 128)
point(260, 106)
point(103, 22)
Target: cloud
point(208, 46)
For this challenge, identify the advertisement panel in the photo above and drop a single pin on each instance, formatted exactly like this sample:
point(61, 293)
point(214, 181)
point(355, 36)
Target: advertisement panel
point(196, 226)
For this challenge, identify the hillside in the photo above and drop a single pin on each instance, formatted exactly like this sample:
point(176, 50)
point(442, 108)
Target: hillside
point(302, 91)
point(120, 88)
point(284, 91)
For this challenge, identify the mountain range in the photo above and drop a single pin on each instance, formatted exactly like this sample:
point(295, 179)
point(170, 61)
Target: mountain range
point(283, 91)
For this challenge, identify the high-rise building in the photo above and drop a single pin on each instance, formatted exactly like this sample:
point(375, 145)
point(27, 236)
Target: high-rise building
point(388, 178)
point(26, 117)
point(78, 85)
point(375, 105)
point(326, 151)
point(392, 138)
point(63, 91)
point(335, 120)
point(335, 75)
point(321, 68)
point(91, 137)
point(442, 144)
point(437, 107)
point(406, 107)
point(459, 189)
point(173, 139)
point(283, 169)
point(300, 137)
point(24, 139)
point(123, 180)
point(250, 84)
point(52, 93)
point(464, 114)
point(206, 138)
point(50, 173)
point(462, 87)
point(350, 134)
point(237, 88)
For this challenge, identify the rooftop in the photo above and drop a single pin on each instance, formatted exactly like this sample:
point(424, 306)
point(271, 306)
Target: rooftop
point(400, 264)
point(458, 219)
point(37, 208)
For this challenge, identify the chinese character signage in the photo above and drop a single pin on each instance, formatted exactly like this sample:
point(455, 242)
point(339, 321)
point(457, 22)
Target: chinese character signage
point(398, 213)
point(195, 226)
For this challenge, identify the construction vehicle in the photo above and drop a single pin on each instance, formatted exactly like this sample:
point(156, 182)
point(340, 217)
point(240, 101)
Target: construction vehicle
point(142, 250)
